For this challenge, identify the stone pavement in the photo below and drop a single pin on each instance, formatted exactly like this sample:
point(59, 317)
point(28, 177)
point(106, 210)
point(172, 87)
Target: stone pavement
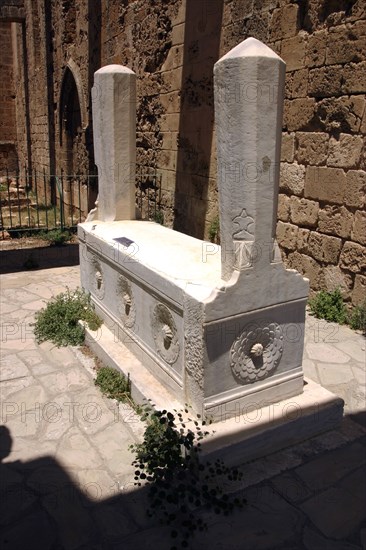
point(66, 475)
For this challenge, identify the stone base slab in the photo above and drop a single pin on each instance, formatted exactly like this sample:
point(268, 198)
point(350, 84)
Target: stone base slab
point(248, 435)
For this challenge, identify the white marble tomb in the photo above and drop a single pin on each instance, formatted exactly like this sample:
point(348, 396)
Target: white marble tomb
point(222, 328)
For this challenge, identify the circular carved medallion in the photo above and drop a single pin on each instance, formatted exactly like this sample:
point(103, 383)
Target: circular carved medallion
point(256, 352)
point(165, 334)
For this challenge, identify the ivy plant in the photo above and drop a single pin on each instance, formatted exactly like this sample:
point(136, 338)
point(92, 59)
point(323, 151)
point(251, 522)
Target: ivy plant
point(168, 461)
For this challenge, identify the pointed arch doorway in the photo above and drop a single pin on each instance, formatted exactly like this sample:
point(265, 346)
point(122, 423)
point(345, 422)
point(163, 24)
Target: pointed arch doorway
point(74, 156)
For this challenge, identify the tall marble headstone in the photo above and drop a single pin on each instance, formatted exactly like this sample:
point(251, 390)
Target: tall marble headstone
point(249, 90)
point(114, 129)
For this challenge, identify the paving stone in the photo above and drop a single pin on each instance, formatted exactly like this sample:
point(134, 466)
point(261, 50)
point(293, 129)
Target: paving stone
point(291, 487)
point(113, 443)
point(326, 353)
point(339, 511)
point(314, 541)
point(310, 371)
point(65, 380)
point(60, 356)
point(41, 290)
point(58, 416)
point(93, 414)
point(47, 477)
point(333, 374)
point(34, 532)
point(30, 358)
point(12, 367)
point(354, 349)
point(96, 484)
point(12, 386)
point(14, 503)
point(35, 305)
point(359, 374)
point(18, 344)
point(7, 307)
point(114, 523)
point(27, 449)
point(19, 295)
point(326, 470)
point(44, 368)
point(75, 451)
point(74, 525)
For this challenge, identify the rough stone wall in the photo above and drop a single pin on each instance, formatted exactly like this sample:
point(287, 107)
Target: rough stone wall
point(8, 137)
point(172, 46)
point(38, 105)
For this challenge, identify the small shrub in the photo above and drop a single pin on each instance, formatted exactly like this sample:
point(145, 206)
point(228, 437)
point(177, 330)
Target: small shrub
point(357, 317)
point(56, 237)
point(113, 384)
point(214, 230)
point(329, 306)
point(168, 461)
point(58, 321)
point(158, 217)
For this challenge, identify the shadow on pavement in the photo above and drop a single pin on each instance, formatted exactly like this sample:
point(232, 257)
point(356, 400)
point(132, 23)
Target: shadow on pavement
point(38, 258)
point(43, 508)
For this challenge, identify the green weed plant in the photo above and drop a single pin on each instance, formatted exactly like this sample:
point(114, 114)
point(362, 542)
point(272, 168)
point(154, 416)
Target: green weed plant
point(58, 322)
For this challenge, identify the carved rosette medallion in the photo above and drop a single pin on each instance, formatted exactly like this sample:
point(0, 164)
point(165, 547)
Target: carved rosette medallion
point(97, 279)
point(165, 334)
point(256, 352)
point(126, 308)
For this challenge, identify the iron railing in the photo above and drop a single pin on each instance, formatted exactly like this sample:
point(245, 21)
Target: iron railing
point(37, 201)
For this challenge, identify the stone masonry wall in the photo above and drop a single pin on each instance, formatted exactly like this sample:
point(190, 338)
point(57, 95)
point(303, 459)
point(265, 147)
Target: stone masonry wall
point(322, 218)
point(8, 137)
point(172, 46)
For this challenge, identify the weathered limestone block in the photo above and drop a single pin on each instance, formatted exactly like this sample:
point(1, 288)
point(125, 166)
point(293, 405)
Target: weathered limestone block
point(359, 290)
point(312, 148)
point(304, 212)
point(342, 47)
point(305, 264)
point(354, 78)
point(302, 243)
point(316, 48)
point(359, 227)
point(325, 184)
point(335, 278)
point(292, 178)
point(355, 188)
point(324, 248)
point(284, 22)
point(283, 212)
point(353, 257)
point(287, 235)
point(345, 152)
point(341, 114)
point(299, 86)
point(335, 220)
point(298, 113)
point(293, 51)
point(288, 147)
point(114, 126)
point(325, 81)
